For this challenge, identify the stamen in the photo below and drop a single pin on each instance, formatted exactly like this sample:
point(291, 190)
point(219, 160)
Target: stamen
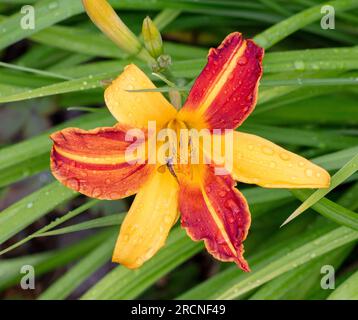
point(170, 166)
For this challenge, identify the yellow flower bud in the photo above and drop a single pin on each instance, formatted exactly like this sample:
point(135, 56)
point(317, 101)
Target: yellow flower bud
point(106, 19)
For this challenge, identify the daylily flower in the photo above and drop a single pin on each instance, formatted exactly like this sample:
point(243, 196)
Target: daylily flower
point(212, 209)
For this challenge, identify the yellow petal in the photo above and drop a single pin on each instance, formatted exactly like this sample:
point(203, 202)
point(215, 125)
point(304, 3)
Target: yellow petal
point(137, 108)
point(259, 161)
point(149, 220)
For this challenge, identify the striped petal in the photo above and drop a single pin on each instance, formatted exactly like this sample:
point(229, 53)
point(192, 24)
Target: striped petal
point(225, 92)
point(94, 162)
point(214, 211)
point(149, 220)
point(135, 109)
point(259, 161)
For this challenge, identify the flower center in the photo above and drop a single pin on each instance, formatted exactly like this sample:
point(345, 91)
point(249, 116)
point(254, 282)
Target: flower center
point(175, 149)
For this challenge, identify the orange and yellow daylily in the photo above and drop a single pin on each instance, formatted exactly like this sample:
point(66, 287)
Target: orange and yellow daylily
point(211, 208)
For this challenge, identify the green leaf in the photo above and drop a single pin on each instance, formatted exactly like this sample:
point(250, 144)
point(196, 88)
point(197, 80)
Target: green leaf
point(336, 160)
point(50, 260)
point(22, 213)
point(331, 210)
point(284, 28)
point(344, 173)
point(131, 283)
point(48, 12)
point(301, 281)
point(232, 283)
point(58, 221)
point(81, 84)
point(10, 268)
point(63, 287)
point(297, 283)
point(349, 198)
point(35, 71)
point(348, 290)
point(111, 220)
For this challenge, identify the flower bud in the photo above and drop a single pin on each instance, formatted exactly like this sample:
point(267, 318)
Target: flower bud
point(106, 19)
point(152, 38)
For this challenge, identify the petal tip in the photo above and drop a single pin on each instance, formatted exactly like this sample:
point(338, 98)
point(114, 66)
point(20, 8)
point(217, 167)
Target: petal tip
point(326, 179)
point(126, 263)
point(243, 265)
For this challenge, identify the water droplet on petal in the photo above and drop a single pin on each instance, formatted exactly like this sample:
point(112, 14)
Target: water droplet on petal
point(230, 204)
point(308, 172)
point(284, 156)
point(267, 150)
point(222, 193)
point(96, 192)
point(73, 183)
point(242, 60)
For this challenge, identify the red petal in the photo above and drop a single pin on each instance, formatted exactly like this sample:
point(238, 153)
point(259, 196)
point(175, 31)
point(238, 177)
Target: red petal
point(93, 163)
point(214, 211)
point(225, 92)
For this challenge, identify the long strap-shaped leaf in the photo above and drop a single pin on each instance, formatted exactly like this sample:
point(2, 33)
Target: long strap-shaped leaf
point(344, 173)
point(29, 209)
point(348, 290)
point(48, 12)
point(301, 281)
point(232, 283)
point(89, 264)
point(296, 22)
point(53, 224)
point(45, 262)
point(298, 283)
point(130, 283)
